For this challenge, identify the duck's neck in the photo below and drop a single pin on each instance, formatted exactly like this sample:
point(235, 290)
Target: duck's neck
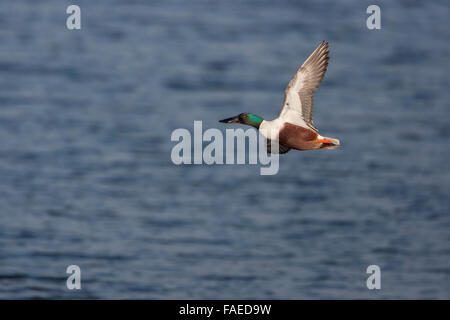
point(252, 120)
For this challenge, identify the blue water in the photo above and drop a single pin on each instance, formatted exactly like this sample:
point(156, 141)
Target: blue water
point(86, 175)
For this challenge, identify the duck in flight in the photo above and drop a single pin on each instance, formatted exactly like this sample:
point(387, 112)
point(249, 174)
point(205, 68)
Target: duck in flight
point(294, 127)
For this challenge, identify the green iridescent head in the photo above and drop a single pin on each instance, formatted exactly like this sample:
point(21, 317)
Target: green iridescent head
point(245, 118)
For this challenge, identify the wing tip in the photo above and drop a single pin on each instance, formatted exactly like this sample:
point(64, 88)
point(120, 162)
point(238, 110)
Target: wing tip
point(324, 49)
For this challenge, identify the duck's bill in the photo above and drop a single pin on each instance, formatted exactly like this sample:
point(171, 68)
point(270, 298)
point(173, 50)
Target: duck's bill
point(230, 120)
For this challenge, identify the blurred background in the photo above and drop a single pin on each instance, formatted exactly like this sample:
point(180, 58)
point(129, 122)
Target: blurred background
point(86, 176)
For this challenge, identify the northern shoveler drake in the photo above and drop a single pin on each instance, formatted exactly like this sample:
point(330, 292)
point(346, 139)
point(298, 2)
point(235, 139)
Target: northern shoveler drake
point(294, 128)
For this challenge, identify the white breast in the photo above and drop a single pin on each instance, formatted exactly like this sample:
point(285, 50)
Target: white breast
point(271, 129)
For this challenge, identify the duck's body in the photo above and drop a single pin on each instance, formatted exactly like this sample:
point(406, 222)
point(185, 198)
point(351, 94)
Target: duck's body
point(295, 136)
point(294, 128)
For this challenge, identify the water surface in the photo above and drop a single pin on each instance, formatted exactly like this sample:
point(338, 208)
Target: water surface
point(86, 175)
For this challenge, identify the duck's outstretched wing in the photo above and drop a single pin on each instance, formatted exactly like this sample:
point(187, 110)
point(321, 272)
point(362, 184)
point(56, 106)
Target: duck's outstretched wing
point(298, 102)
point(281, 148)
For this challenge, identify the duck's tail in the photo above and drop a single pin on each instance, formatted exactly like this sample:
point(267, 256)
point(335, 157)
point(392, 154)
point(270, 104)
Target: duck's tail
point(328, 143)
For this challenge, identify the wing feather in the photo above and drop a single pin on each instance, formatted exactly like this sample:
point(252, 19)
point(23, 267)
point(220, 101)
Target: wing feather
point(281, 148)
point(298, 104)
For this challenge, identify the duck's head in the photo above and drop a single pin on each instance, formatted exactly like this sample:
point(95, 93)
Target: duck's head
point(245, 118)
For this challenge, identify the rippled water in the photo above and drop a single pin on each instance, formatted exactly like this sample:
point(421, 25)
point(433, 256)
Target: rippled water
point(86, 176)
